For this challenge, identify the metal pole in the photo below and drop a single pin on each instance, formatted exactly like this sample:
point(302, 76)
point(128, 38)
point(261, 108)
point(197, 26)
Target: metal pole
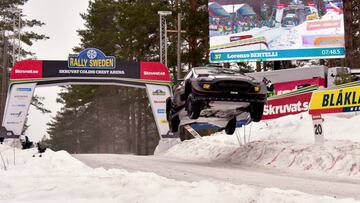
point(178, 75)
point(161, 38)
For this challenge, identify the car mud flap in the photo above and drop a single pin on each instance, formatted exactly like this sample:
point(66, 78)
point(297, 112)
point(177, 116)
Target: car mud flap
point(192, 131)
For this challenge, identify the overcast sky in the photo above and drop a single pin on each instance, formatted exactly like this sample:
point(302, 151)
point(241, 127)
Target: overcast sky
point(62, 19)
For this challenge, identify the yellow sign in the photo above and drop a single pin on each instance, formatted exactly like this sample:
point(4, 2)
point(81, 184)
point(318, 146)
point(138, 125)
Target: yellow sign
point(336, 98)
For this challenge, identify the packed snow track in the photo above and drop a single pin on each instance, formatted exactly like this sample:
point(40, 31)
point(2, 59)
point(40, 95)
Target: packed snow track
point(226, 172)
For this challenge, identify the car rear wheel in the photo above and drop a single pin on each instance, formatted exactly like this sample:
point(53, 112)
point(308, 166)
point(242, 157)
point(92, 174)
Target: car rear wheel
point(256, 111)
point(193, 107)
point(231, 127)
point(173, 121)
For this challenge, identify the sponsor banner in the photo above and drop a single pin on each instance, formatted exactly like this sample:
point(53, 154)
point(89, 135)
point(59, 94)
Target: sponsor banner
point(91, 58)
point(90, 63)
point(335, 100)
point(276, 29)
point(325, 24)
point(157, 95)
point(17, 106)
point(33, 69)
point(290, 54)
point(58, 69)
point(284, 106)
point(154, 71)
point(286, 87)
point(28, 69)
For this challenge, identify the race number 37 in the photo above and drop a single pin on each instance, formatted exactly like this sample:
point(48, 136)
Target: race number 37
point(318, 129)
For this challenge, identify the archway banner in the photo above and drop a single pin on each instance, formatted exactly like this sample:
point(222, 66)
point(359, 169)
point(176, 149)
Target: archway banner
point(90, 66)
point(135, 71)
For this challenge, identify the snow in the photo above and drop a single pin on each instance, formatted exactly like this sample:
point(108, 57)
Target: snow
point(58, 177)
point(286, 143)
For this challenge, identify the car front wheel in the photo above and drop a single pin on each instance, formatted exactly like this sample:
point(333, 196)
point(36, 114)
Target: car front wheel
point(193, 107)
point(231, 127)
point(256, 111)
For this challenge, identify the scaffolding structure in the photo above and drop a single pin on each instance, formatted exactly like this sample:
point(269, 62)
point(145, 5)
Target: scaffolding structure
point(163, 36)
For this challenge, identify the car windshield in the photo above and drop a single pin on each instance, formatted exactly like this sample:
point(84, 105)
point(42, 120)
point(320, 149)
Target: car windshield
point(215, 71)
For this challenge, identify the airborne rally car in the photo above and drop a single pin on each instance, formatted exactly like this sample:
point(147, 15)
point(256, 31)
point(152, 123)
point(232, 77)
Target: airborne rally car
point(207, 91)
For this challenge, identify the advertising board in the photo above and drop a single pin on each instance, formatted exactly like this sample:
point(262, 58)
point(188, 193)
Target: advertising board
point(17, 106)
point(241, 30)
point(345, 99)
point(289, 105)
point(157, 95)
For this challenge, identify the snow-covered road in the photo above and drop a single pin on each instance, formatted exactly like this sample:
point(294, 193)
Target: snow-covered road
point(204, 170)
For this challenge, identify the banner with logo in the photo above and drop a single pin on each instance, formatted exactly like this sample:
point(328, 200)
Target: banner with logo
point(17, 106)
point(297, 85)
point(289, 105)
point(90, 63)
point(273, 30)
point(157, 95)
point(345, 99)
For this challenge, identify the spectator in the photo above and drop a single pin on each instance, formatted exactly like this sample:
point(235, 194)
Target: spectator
point(41, 148)
point(269, 86)
point(27, 144)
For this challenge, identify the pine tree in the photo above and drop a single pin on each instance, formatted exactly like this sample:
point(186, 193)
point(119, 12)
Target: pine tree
point(9, 12)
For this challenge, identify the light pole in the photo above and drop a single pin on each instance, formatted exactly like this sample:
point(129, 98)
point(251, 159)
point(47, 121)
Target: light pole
point(163, 36)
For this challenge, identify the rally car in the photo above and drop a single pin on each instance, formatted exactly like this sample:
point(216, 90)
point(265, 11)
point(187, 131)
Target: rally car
point(214, 89)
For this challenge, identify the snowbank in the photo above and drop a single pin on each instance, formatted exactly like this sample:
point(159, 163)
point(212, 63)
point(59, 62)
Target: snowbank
point(58, 177)
point(285, 143)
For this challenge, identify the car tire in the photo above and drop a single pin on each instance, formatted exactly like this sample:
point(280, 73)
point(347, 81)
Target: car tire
point(256, 111)
point(173, 121)
point(231, 127)
point(193, 107)
point(168, 108)
point(174, 124)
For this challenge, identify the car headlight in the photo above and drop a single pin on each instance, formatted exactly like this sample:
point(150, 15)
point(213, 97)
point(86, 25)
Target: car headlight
point(257, 88)
point(206, 86)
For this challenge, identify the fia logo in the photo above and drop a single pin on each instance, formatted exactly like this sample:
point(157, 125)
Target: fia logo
point(91, 54)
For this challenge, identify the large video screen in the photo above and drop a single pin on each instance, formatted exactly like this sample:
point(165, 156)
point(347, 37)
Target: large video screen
point(269, 30)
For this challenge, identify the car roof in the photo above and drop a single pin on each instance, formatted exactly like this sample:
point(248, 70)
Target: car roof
point(214, 70)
